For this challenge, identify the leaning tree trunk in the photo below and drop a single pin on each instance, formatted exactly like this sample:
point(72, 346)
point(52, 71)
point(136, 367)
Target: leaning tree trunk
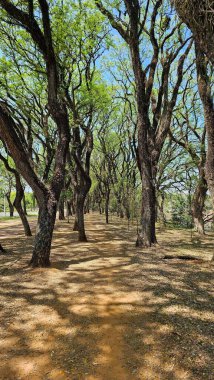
point(18, 205)
point(24, 204)
point(10, 204)
point(44, 232)
point(198, 205)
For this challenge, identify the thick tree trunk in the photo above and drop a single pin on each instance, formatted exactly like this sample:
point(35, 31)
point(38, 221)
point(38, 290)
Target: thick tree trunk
point(204, 87)
point(146, 236)
point(198, 205)
point(44, 232)
point(210, 153)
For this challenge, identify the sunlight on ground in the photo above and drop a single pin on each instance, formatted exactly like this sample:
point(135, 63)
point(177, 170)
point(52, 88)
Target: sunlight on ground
point(106, 310)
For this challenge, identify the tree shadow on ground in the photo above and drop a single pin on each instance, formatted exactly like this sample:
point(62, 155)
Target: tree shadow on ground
point(100, 314)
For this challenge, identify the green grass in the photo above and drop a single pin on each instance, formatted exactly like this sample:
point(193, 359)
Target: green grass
point(16, 217)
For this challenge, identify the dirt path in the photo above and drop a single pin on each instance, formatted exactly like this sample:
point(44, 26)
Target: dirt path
point(105, 310)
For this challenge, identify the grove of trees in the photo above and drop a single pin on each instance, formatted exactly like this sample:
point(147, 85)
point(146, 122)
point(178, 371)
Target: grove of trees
point(107, 106)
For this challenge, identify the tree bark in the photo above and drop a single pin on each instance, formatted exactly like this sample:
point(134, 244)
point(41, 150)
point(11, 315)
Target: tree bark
point(44, 232)
point(107, 206)
point(18, 205)
point(198, 204)
point(160, 206)
point(24, 204)
point(80, 216)
point(146, 236)
point(68, 209)
point(61, 208)
point(10, 204)
point(204, 87)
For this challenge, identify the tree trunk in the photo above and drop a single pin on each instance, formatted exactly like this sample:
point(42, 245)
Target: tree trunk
point(10, 204)
point(68, 209)
point(61, 208)
point(44, 232)
point(87, 206)
point(161, 210)
point(107, 206)
point(198, 205)
point(80, 216)
point(204, 87)
point(18, 206)
point(24, 204)
point(100, 208)
point(146, 236)
point(74, 203)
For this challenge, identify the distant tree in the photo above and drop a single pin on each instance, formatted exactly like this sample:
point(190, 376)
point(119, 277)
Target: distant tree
point(17, 203)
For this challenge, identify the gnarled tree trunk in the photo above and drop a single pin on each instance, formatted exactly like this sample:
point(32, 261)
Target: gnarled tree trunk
point(44, 231)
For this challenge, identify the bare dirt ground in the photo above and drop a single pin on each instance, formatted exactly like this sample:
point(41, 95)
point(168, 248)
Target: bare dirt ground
point(106, 310)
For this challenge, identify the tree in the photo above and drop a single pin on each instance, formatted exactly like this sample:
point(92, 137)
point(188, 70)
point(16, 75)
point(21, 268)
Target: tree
point(205, 91)
point(188, 131)
point(155, 97)
point(17, 203)
point(47, 197)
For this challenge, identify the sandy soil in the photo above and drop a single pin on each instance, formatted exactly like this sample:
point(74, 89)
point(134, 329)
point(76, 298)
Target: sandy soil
point(106, 310)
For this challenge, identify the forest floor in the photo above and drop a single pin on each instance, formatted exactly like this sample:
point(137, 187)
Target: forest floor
point(106, 310)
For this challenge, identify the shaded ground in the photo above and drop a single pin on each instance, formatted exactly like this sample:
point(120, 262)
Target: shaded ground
point(106, 310)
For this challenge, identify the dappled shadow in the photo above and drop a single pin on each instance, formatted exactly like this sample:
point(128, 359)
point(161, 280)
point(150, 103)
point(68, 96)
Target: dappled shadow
point(106, 310)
